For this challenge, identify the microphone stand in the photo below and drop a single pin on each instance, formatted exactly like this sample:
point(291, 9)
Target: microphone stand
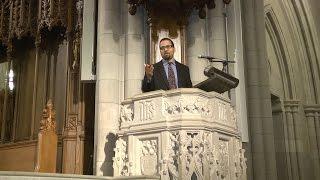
point(223, 61)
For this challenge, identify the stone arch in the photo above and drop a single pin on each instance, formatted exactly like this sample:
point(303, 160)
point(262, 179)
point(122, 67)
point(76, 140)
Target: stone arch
point(274, 31)
point(307, 30)
point(297, 62)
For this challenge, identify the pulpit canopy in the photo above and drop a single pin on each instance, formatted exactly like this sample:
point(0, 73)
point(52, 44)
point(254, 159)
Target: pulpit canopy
point(179, 9)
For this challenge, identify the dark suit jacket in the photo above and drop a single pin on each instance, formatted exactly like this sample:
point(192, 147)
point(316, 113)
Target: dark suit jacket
point(159, 78)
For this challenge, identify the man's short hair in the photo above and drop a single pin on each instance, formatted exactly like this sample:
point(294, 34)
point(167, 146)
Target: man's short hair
point(168, 39)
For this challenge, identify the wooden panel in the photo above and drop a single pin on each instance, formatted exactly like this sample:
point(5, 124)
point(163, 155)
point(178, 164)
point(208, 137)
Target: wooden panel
point(47, 152)
point(18, 156)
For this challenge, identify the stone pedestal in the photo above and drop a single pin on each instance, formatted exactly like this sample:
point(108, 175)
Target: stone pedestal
point(179, 134)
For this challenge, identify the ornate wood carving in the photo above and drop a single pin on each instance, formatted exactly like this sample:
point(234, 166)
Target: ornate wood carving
point(37, 18)
point(52, 13)
point(17, 19)
point(47, 141)
point(179, 10)
point(78, 35)
point(48, 121)
point(4, 21)
point(22, 18)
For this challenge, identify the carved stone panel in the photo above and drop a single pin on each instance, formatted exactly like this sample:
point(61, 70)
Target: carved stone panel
point(149, 157)
point(180, 134)
point(147, 110)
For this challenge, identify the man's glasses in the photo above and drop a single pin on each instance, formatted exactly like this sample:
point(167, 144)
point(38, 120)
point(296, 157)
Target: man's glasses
point(166, 47)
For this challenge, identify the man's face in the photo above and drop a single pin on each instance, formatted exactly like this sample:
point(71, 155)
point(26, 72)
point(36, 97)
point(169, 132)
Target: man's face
point(166, 49)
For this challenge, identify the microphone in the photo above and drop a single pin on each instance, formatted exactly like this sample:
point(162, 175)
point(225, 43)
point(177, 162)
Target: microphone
point(214, 59)
point(206, 57)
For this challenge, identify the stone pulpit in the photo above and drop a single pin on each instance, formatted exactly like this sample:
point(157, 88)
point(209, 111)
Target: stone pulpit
point(179, 134)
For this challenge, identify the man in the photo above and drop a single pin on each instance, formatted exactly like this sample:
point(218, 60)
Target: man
point(167, 73)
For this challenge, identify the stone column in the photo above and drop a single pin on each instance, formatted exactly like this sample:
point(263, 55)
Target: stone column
point(235, 53)
point(217, 32)
point(109, 61)
point(261, 148)
point(196, 45)
point(292, 161)
point(317, 119)
point(134, 52)
point(310, 112)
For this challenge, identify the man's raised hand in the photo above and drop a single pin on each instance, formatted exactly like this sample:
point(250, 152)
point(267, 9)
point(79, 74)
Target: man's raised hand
point(148, 68)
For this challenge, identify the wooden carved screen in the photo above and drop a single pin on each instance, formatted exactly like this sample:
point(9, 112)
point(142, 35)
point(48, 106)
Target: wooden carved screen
point(40, 41)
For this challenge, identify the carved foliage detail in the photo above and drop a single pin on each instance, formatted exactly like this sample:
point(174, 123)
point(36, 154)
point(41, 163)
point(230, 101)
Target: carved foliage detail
point(126, 113)
point(194, 153)
point(48, 121)
point(188, 105)
point(169, 164)
point(17, 19)
point(191, 152)
point(52, 13)
point(121, 163)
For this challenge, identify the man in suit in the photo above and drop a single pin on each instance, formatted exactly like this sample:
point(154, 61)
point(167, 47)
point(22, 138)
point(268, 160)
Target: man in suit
point(167, 73)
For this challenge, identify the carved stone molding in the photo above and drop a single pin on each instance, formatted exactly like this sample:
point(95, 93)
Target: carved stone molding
point(165, 107)
point(291, 105)
point(312, 110)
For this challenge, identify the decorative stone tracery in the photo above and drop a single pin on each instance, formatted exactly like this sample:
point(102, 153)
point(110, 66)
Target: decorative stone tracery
point(184, 139)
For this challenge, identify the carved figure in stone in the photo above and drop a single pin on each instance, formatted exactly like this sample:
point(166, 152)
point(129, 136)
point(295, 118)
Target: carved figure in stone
point(222, 159)
point(240, 161)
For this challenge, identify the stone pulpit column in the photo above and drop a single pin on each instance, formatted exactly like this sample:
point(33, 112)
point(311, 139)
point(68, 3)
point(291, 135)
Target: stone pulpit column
point(107, 85)
point(217, 32)
point(196, 45)
point(134, 51)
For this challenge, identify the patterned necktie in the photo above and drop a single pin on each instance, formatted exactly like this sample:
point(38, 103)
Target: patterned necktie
point(171, 77)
